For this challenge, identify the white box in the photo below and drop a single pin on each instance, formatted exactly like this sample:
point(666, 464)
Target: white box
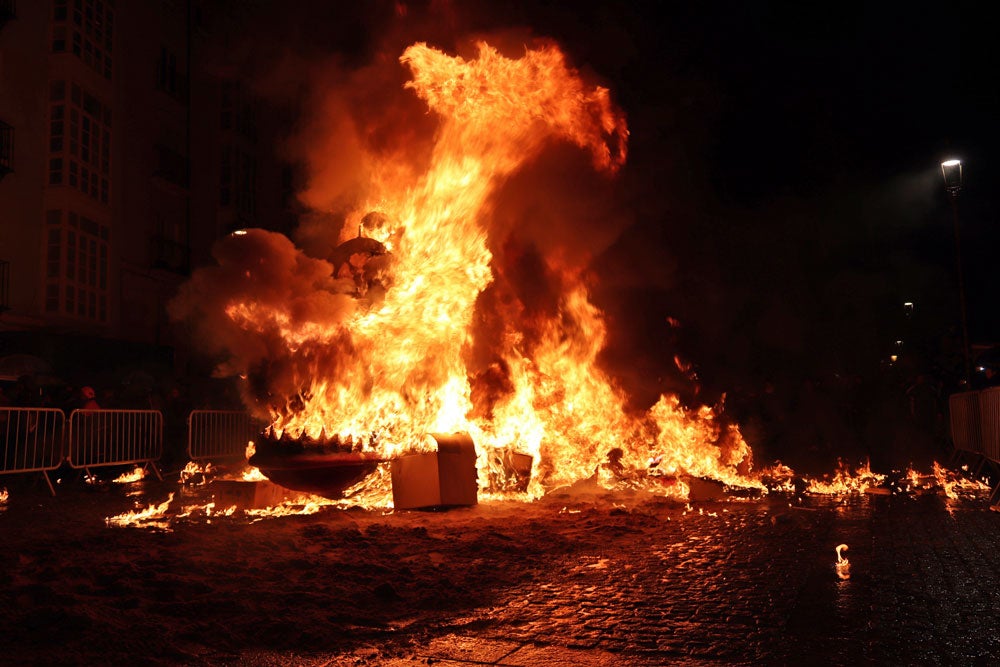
point(445, 478)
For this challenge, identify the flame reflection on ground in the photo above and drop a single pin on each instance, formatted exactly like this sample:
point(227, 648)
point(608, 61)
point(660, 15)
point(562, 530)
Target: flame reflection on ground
point(194, 500)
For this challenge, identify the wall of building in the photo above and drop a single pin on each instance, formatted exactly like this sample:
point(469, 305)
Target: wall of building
point(130, 159)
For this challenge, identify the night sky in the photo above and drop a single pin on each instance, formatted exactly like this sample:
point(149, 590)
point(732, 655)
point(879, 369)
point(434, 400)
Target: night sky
point(783, 190)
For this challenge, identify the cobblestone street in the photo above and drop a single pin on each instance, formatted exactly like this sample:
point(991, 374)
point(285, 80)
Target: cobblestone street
point(595, 580)
point(756, 585)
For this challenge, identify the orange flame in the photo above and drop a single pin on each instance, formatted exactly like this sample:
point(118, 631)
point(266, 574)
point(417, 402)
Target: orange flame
point(382, 350)
point(154, 515)
point(843, 566)
point(135, 475)
point(956, 486)
point(846, 481)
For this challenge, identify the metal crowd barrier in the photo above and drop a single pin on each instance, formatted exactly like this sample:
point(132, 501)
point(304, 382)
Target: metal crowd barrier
point(220, 434)
point(115, 437)
point(31, 440)
point(966, 422)
point(989, 411)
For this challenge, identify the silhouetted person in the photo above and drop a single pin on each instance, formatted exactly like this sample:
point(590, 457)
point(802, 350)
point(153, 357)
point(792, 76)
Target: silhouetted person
point(991, 377)
point(88, 399)
point(175, 414)
point(4, 403)
point(26, 393)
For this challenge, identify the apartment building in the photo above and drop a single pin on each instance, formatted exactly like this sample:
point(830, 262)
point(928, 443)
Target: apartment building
point(121, 161)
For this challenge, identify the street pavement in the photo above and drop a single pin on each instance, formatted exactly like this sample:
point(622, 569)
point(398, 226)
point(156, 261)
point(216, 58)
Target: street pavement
point(599, 579)
point(757, 584)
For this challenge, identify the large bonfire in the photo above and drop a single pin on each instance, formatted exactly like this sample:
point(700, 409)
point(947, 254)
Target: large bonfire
point(414, 324)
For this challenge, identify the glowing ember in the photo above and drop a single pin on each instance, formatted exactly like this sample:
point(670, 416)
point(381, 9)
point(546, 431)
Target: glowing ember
point(843, 566)
point(4, 496)
point(196, 474)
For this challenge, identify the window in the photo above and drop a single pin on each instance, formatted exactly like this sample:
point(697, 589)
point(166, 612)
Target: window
point(167, 78)
point(237, 112)
point(76, 266)
point(56, 128)
point(238, 181)
point(88, 30)
point(55, 171)
point(83, 144)
point(226, 177)
point(54, 253)
point(246, 186)
point(6, 149)
point(59, 39)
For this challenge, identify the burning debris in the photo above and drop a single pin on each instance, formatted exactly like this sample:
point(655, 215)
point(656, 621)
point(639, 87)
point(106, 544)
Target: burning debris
point(152, 516)
point(246, 495)
point(420, 307)
point(842, 566)
point(197, 474)
point(135, 475)
point(847, 481)
point(321, 466)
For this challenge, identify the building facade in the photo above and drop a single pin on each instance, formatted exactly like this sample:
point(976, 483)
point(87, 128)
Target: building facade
point(120, 164)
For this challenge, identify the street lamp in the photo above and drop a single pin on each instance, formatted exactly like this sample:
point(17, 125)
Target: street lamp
point(952, 172)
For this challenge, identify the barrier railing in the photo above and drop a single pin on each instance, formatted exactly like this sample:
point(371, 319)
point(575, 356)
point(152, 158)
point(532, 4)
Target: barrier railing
point(115, 437)
point(989, 413)
point(31, 440)
point(966, 422)
point(217, 434)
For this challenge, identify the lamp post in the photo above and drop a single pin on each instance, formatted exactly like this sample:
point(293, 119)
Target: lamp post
point(952, 172)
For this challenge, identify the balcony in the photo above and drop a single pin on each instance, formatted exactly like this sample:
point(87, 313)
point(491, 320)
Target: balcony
point(6, 148)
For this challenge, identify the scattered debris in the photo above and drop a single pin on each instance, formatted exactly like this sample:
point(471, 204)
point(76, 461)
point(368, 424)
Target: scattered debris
point(247, 494)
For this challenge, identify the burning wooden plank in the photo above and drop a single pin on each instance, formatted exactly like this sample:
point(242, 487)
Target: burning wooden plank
point(247, 494)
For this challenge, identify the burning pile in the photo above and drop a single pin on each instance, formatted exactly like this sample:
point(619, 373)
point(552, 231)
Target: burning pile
point(432, 314)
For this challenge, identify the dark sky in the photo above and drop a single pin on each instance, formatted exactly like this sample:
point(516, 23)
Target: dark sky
point(786, 160)
point(783, 175)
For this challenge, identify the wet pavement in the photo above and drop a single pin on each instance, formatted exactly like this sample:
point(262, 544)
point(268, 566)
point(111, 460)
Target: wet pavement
point(601, 579)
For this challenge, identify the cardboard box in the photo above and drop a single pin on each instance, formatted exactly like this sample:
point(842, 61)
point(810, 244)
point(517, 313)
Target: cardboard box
point(445, 478)
point(247, 495)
